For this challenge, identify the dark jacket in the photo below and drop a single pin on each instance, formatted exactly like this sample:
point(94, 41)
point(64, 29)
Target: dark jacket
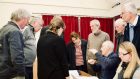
point(52, 61)
point(119, 40)
point(106, 65)
point(136, 39)
point(71, 55)
point(11, 52)
point(44, 30)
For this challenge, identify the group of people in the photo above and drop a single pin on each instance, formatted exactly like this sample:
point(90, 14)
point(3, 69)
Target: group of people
point(26, 47)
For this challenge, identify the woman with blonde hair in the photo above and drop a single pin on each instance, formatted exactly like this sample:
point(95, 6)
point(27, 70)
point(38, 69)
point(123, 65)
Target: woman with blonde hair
point(51, 53)
point(129, 67)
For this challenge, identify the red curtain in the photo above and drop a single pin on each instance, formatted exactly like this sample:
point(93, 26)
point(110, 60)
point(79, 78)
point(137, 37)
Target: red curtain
point(85, 27)
point(106, 25)
point(71, 23)
point(46, 19)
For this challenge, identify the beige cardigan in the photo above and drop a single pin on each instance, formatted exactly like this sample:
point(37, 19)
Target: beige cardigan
point(135, 76)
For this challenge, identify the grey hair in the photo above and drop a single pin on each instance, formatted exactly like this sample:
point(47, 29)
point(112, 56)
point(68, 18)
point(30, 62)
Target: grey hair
point(120, 21)
point(109, 44)
point(19, 14)
point(34, 19)
point(130, 7)
point(96, 22)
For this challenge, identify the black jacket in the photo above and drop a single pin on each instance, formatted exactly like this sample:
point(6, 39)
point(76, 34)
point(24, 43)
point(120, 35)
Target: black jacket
point(71, 55)
point(51, 53)
point(136, 39)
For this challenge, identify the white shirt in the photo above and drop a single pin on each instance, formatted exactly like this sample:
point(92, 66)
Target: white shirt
point(37, 36)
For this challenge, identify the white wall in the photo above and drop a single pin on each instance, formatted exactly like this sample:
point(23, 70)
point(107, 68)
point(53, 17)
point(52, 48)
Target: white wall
point(117, 10)
point(63, 7)
point(66, 7)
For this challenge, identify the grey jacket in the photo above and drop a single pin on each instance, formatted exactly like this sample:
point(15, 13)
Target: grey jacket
point(11, 52)
point(30, 48)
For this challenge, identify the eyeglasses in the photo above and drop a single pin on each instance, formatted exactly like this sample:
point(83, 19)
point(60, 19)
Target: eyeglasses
point(123, 53)
point(126, 53)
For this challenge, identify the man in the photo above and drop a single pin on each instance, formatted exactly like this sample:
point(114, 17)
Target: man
point(12, 61)
point(30, 44)
point(95, 40)
point(76, 49)
point(119, 27)
point(108, 61)
point(132, 30)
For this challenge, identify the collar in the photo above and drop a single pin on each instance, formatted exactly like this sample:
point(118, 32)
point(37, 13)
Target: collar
point(135, 21)
point(18, 25)
point(31, 27)
point(97, 33)
point(108, 54)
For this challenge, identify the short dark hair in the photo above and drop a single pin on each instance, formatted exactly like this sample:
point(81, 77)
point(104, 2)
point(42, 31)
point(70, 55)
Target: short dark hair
point(74, 35)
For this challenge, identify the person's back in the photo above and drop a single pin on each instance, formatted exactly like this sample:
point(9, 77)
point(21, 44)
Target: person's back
point(51, 53)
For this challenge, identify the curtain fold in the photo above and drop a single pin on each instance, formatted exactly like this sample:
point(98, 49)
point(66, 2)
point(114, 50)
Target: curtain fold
point(71, 23)
point(46, 19)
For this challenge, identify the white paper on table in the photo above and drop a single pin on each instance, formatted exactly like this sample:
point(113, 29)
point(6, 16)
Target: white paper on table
point(73, 74)
point(84, 77)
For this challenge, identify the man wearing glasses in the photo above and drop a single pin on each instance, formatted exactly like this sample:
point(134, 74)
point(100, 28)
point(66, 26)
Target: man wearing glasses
point(132, 30)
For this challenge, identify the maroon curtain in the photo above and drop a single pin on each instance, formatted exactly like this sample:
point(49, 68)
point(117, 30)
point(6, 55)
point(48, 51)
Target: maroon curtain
point(85, 27)
point(46, 19)
point(71, 23)
point(106, 25)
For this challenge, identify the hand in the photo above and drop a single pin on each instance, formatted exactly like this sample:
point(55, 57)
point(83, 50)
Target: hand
point(91, 61)
point(67, 77)
point(59, 32)
point(94, 51)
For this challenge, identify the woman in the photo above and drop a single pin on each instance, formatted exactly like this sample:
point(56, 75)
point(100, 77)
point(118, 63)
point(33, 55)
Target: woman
point(129, 67)
point(119, 27)
point(51, 53)
point(76, 49)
